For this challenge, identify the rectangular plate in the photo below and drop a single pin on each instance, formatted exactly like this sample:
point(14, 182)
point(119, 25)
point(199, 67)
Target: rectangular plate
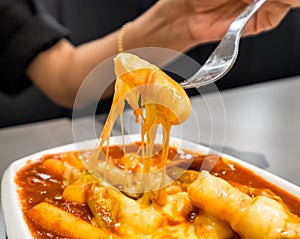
point(13, 216)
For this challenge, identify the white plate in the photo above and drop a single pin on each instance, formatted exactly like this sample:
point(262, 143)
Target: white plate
point(16, 227)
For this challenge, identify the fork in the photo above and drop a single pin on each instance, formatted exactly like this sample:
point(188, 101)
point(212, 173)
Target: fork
point(223, 57)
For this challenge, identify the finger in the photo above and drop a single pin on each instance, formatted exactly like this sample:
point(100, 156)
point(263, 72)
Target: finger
point(292, 3)
point(268, 17)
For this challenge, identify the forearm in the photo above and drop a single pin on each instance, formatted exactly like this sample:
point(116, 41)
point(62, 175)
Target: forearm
point(60, 71)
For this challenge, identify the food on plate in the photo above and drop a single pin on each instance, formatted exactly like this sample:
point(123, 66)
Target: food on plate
point(150, 193)
point(66, 224)
point(226, 203)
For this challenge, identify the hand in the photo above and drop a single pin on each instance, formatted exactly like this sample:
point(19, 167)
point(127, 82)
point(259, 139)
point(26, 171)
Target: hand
point(208, 20)
point(182, 24)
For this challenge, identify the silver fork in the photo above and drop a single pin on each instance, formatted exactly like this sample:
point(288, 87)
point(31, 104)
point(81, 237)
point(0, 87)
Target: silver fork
point(224, 56)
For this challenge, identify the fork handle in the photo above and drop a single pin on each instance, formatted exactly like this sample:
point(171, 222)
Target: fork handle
point(245, 15)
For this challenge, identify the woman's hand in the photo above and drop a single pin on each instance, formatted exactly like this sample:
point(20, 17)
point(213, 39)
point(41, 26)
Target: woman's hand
point(182, 24)
point(208, 20)
point(190, 22)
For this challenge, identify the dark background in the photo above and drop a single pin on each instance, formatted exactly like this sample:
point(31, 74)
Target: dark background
point(269, 56)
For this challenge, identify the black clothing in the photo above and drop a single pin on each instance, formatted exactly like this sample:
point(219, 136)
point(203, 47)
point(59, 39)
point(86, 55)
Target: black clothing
point(26, 30)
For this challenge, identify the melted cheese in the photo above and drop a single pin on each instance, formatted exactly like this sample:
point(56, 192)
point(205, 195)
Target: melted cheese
point(155, 99)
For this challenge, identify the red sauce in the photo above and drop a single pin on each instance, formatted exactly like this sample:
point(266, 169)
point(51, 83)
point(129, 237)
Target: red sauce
point(37, 185)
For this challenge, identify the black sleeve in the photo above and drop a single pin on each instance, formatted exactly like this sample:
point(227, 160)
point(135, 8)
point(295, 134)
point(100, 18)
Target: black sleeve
point(26, 30)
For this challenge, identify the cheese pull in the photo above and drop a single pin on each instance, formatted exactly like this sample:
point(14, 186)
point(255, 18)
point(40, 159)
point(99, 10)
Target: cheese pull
point(156, 100)
point(144, 85)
